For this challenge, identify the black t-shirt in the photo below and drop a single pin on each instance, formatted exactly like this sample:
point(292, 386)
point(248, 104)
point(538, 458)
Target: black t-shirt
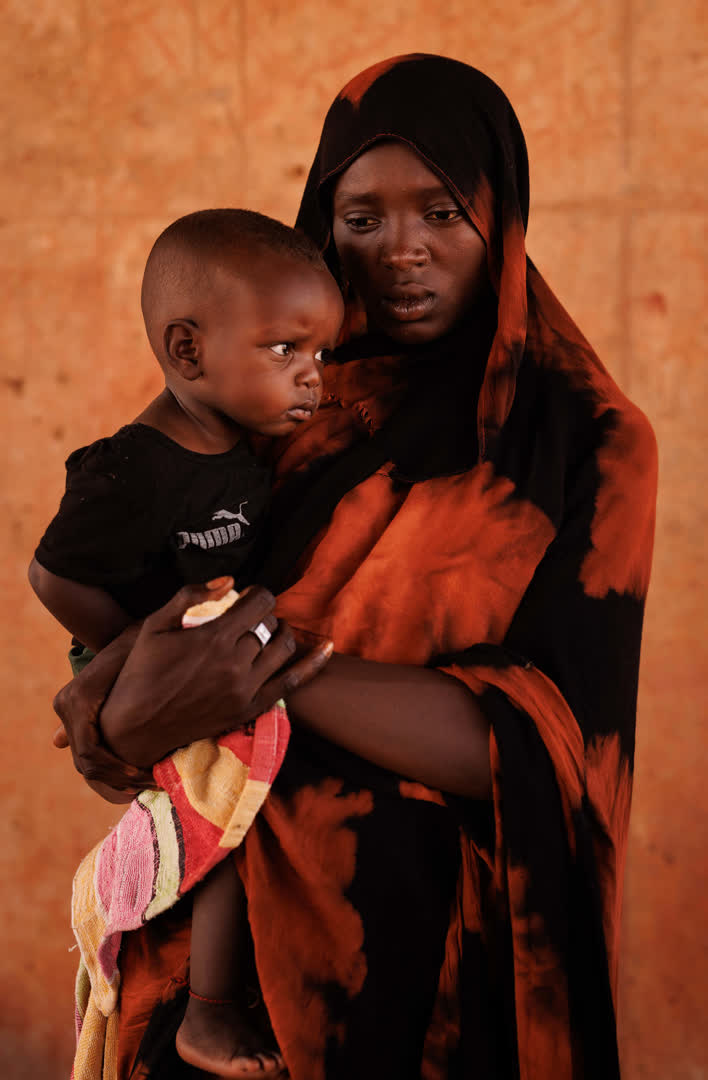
point(142, 516)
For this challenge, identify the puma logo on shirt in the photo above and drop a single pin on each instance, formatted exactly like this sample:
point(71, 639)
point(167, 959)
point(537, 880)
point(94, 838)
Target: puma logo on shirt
point(219, 536)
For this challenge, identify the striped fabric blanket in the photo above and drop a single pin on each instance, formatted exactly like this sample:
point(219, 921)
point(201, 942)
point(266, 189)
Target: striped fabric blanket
point(163, 845)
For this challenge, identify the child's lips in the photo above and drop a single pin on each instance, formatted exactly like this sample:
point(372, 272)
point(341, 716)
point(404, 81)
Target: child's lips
point(302, 412)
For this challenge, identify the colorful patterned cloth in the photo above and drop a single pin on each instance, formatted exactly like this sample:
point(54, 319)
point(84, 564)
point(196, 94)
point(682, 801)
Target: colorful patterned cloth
point(164, 844)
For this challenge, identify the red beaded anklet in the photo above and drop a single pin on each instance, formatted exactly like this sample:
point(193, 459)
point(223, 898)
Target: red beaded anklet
point(211, 1001)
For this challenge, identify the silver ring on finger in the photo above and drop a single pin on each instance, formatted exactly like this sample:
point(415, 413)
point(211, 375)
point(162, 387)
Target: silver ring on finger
point(262, 632)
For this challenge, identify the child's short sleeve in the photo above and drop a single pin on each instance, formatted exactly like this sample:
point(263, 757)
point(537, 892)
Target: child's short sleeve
point(109, 526)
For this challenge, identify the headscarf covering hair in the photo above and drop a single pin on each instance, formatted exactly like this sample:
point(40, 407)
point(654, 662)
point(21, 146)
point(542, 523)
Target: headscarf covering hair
point(465, 130)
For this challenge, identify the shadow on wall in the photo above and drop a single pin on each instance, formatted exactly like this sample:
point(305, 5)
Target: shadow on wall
point(19, 1060)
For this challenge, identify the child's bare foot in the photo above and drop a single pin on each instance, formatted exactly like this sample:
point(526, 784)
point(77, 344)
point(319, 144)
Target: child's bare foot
point(221, 1039)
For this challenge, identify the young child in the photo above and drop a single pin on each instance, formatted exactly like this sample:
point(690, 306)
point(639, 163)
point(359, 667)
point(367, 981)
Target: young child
point(240, 311)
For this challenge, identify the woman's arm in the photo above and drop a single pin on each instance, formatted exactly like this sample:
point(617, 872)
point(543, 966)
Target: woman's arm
point(78, 706)
point(179, 685)
point(157, 686)
point(415, 721)
point(87, 612)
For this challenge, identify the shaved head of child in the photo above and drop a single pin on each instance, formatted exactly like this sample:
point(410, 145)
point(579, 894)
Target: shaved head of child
point(189, 260)
point(241, 312)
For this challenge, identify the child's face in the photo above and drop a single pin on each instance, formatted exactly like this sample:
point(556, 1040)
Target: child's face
point(265, 340)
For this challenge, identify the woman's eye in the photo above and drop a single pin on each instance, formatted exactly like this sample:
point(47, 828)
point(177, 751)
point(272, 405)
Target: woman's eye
point(451, 213)
point(283, 348)
point(360, 221)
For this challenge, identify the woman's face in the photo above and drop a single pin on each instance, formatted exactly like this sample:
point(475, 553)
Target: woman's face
point(412, 257)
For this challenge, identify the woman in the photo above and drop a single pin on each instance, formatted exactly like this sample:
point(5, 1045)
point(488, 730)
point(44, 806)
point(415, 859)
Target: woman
point(434, 883)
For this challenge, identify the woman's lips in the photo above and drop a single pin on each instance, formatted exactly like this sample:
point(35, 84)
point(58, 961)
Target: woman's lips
point(408, 306)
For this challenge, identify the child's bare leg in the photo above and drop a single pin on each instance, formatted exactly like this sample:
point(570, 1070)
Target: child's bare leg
point(219, 1033)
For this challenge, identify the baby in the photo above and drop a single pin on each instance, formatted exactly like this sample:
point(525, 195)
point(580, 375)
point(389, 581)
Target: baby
point(240, 311)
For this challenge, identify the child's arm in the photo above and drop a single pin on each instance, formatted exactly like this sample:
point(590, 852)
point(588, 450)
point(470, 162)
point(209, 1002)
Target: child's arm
point(87, 612)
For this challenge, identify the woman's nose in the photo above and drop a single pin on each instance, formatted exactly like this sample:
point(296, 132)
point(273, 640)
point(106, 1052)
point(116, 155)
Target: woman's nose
point(403, 248)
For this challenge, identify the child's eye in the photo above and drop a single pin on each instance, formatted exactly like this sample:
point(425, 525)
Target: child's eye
point(283, 348)
point(323, 356)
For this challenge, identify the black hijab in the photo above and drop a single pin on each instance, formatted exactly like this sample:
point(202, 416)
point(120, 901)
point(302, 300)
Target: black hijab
point(478, 150)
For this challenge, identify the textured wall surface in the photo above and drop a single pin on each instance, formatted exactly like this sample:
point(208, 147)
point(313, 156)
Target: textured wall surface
point(119, 116)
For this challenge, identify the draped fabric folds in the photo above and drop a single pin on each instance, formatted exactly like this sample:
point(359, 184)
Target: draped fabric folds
point(484, 506)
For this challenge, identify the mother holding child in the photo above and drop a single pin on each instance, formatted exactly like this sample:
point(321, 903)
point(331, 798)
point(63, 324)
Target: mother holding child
point(433, 885)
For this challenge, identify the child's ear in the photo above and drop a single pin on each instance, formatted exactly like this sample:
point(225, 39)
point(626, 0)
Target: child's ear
point(183, 348)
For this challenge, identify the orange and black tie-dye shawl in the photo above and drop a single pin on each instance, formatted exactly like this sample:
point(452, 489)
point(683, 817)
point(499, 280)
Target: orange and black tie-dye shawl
point(484, 506)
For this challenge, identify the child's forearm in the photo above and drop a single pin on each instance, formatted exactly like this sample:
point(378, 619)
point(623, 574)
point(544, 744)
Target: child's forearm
point(87, 612)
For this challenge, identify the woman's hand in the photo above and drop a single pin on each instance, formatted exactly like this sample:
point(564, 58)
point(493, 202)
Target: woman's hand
point(78, 705)
point(179, 685)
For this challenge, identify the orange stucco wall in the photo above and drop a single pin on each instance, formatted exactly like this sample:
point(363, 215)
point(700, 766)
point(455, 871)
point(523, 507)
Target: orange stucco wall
point(117, 116)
